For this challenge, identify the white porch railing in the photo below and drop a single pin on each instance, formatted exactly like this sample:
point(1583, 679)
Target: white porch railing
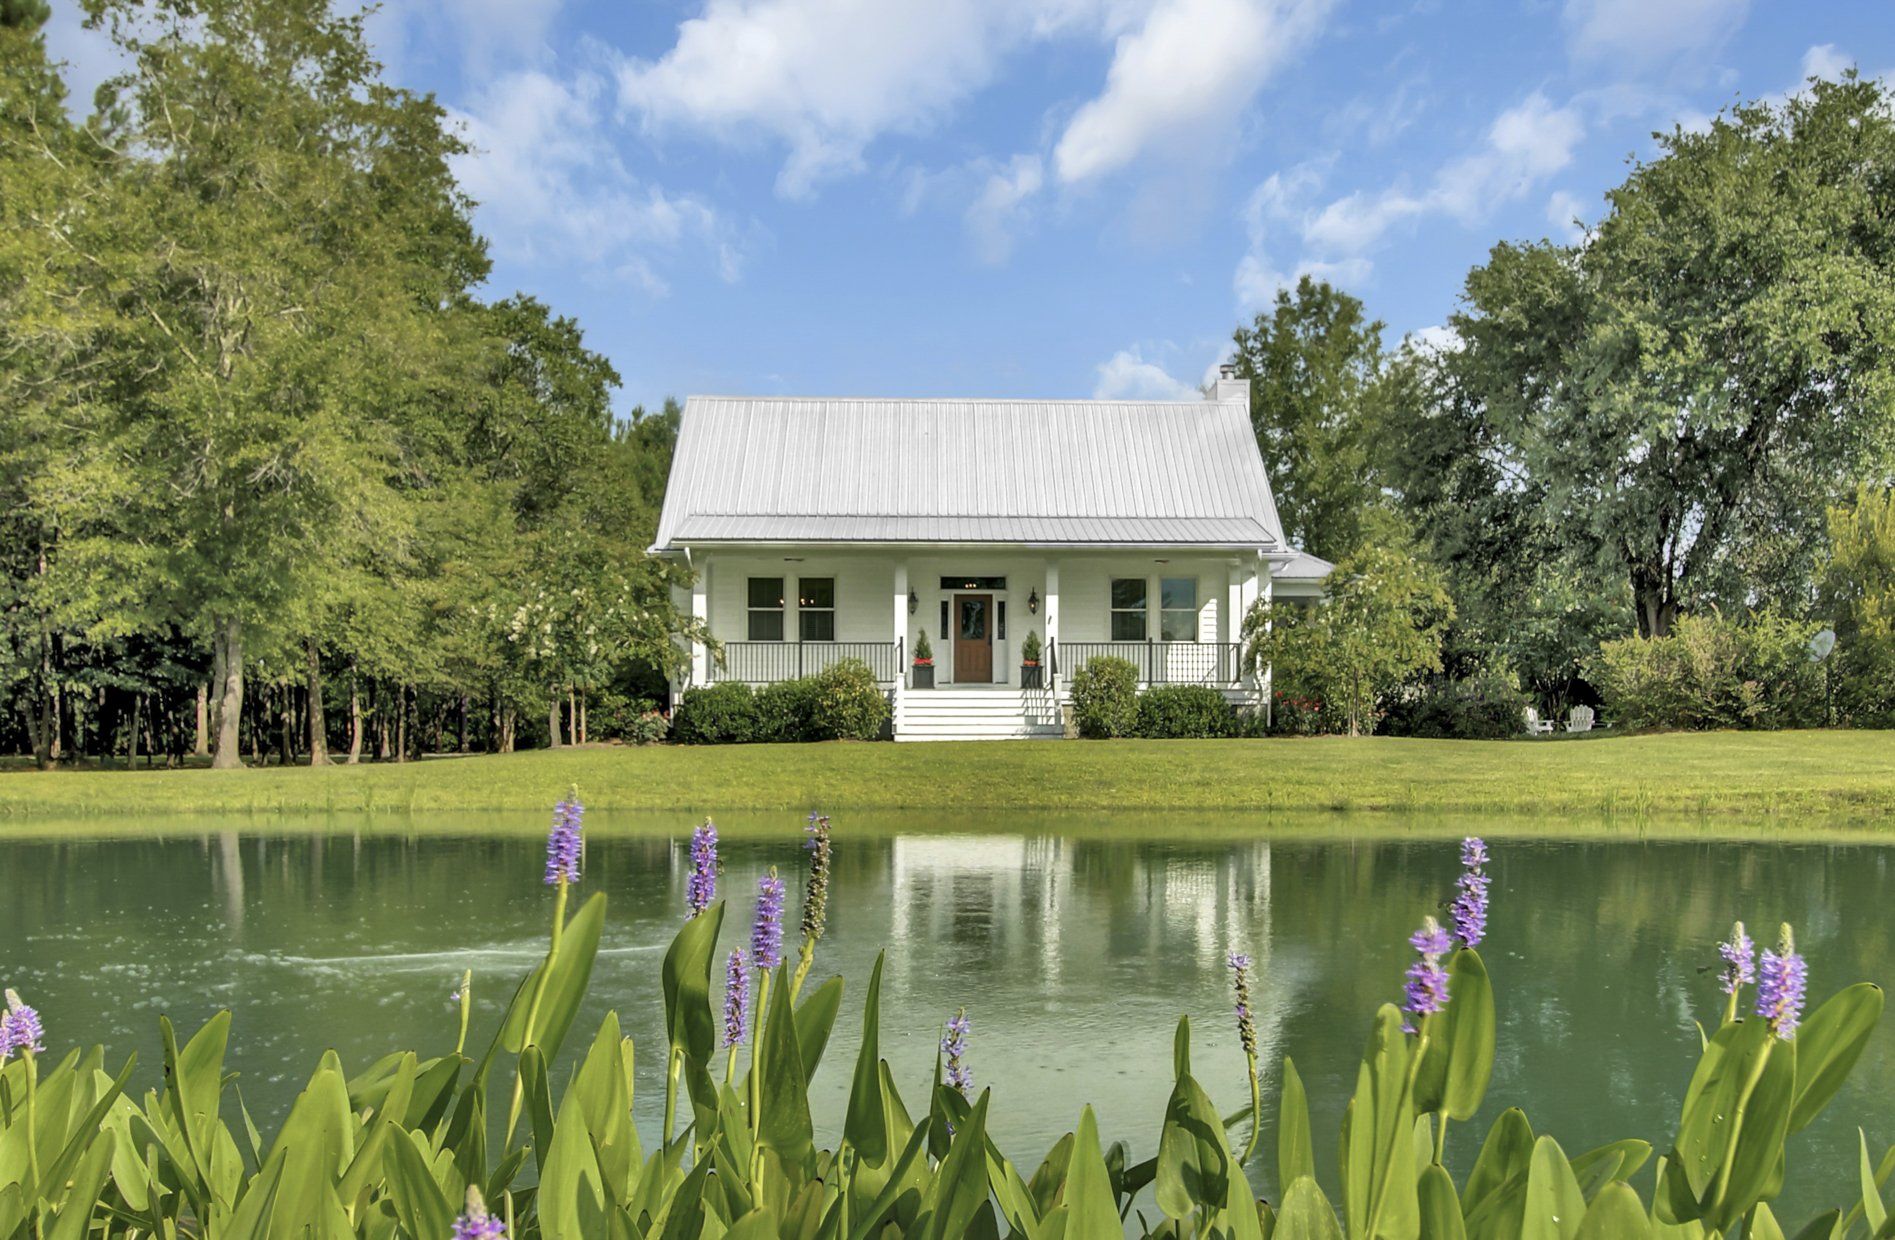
point(762, 663)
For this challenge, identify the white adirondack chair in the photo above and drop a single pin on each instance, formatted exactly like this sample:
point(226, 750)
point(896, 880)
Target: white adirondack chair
point(1580, 719)
point(1537, 726)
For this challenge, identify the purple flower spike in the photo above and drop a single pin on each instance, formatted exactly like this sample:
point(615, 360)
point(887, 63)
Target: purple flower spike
point(816, 894)
point(766, 933)
point(476, 1223)
point(703, 886)
point(954, 1047)
point(1469, 909)
point(1782, 977)
point(736, 999)
point(565, 841)
point(1246, 1022)
point(20, 1029)
point(1427, 986)
point(1740, 960)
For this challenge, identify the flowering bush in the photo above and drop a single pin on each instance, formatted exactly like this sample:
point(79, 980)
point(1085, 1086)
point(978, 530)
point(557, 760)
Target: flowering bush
point(1301, 714)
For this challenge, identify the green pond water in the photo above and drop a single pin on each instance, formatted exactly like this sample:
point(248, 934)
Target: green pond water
point(1073, 943)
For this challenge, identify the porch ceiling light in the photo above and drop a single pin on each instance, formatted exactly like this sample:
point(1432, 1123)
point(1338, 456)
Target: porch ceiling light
point(914, 601)
point(1033, 601)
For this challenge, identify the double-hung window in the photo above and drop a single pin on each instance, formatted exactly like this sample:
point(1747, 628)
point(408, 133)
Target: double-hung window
point(816, 609)
point(1128, 609)
point(1178, 609)
point(766, 609)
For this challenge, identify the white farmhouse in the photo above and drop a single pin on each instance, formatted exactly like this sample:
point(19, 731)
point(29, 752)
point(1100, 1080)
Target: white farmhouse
point(845, 528)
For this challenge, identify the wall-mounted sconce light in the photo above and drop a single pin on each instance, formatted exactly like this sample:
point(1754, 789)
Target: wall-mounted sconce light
point(1033, 601)
point(914, 601)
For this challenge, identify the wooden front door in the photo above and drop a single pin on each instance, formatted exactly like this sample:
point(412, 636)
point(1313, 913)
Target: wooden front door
point(973, 639)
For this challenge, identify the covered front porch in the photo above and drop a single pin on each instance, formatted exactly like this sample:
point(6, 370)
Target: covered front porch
point(783, 613)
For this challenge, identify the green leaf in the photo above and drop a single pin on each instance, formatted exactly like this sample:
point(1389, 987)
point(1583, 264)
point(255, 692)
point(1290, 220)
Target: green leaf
point(572, 1190)
point(1555, 1207)
point(1872, 1207)
point(1295, 1151)
point(1306, 1214)
point(1828, 1045)
point(1378, 1164)
point(1763, 1225)
point(1193, 1171)
point(863, 1124)
point(815, 1019)
point(1617, 1214)
point(1440, 1206)
point(1090, 1209)
point(419, 1202)
point(784, 1125)
point(1470, 1032)
point(1496, 1189)
point(690, 1020)
point(1616, 1161)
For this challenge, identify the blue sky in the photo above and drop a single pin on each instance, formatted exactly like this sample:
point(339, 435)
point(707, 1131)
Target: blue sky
point(1043, 197)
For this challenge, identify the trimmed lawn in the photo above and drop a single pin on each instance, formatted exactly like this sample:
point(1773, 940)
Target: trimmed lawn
point(1779, 773)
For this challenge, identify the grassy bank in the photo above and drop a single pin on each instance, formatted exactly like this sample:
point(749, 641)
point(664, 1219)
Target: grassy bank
point(1722, 773)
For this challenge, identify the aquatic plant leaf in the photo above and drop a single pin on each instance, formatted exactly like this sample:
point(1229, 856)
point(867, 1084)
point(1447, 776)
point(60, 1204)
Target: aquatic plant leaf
point(1555, 1207)
point(815, 1019)
point(1440, 1205)
point(1087, 1200)
point(1495, 1193)
point(1470, 1029)
point(419, 1202)
point(1193, 1171)
point(1828, 1044)
point(784, 1124)
point(1617, 1214)
point(1378, 1157)
point(1610, 1163)
point(1306, 1214)
point(1295, 1151)
point(690, 1019)
point(571, 1195)
point(863, 1125)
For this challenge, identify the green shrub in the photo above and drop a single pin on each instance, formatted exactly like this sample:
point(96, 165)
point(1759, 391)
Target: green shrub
point(1030, 648)
point(924, 653)
point(1297, 711)
point(1181, 712)
point(648, 728)
point(719, 714)
point(1714, 672)
point(849, 704)
point(786, 711)
point(1486, 705)
point(1105, 698)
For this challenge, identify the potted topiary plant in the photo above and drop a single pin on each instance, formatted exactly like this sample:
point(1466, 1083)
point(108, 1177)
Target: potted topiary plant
point(924, 661)
point(1031, 674)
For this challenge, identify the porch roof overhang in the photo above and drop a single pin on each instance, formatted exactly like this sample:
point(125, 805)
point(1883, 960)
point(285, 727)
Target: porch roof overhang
point(1007, 530)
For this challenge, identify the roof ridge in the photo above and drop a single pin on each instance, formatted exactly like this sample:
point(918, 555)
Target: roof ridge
point(970, 400)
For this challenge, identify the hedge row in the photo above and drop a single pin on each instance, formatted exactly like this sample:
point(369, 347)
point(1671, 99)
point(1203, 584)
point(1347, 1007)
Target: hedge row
point(841, 703)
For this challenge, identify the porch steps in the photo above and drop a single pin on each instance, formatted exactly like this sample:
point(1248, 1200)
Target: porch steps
point(977, 714)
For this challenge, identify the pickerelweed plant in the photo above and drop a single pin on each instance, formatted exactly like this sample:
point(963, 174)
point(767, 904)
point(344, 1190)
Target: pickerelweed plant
point(404, 1149)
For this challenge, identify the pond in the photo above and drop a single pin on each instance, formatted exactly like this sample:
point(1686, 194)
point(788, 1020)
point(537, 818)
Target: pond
point(1074, 944)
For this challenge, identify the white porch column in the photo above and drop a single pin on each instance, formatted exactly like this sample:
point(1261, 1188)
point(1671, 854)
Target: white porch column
point(701, 612)
point(1052, 616)
point(901, 635)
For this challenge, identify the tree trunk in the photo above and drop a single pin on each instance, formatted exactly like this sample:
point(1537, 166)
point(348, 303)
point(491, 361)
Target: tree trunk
point(201, 742)
point(552, 719)
point(401, 723)
point(227, 642)
point(572, 717)
point(131, 745)
point(504, 733)
point(318, 726)
point(584, 735)
point(461, 728)
point(355, 718)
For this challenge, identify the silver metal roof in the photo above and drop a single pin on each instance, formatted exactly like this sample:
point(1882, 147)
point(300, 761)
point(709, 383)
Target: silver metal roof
point(1109, 473)
point(1305, 567)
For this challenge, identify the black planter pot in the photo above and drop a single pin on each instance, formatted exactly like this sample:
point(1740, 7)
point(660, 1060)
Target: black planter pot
point(924, 676)
point(1032, 677)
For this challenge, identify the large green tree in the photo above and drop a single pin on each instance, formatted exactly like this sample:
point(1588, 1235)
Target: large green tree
point(1314, 360)
point(1690, 386)
point(300, 232)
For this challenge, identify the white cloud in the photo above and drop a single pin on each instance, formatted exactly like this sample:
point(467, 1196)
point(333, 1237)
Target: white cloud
point(1126, 375)
point(1565, 212)
point(90, 56)
point(1643, 32)
point(550, 187)
point(1525, 145)
point(827, 77)
point(1827, 61)
point(1187, 73)
point(995, 215)
point(1440, 338)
